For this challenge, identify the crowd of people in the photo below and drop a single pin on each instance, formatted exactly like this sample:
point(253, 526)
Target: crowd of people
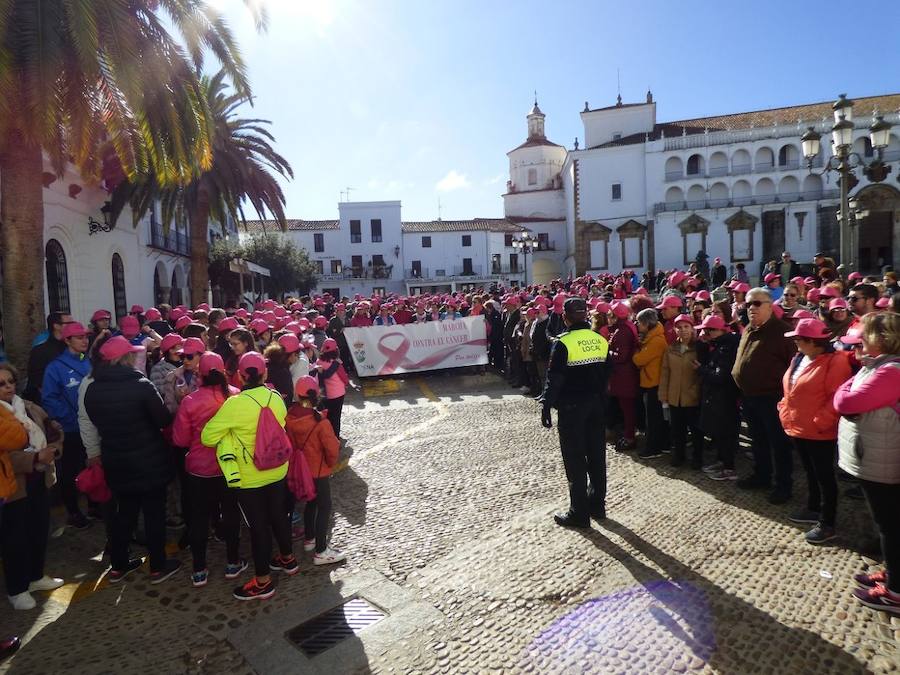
point(163, 415)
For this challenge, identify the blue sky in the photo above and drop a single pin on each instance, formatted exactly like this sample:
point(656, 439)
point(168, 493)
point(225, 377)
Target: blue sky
point(421, 100)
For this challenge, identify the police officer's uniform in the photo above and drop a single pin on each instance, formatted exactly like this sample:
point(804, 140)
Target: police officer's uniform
point(576, 386)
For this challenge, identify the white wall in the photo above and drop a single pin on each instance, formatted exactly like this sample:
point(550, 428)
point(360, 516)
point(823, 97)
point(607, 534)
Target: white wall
point(600, 125)
point(599, 169)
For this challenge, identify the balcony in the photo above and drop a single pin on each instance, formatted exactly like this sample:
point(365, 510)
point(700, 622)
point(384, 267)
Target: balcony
point(789, 165)
point(175, 242)
point(367, 272)
point(459, 273)
point(546, 246)
point(717, 171)
point(674, 175)
point(750, 200)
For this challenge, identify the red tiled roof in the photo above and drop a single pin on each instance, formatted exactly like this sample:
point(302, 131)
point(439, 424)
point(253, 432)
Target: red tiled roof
point(535, 142)
point(476, 225)
point(295, 225)
point(808, 112)
point(534, 219)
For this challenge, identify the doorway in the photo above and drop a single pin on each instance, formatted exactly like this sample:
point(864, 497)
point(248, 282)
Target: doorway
point(876, 242)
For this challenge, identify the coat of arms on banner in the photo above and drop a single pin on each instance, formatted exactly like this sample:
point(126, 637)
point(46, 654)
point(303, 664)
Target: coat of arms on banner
point(359, 352)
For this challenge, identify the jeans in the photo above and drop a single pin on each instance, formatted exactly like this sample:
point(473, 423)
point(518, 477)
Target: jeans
point(582, 441)
point(768, 439)
point(884, 503)
point(207, 494)
point(684, 420)
point(334, 407)
point(153, 505)
point(657, 428)
point(317, 513)
point(68, 467)
point(23, 536)
point(818, 461)
point(263, 508)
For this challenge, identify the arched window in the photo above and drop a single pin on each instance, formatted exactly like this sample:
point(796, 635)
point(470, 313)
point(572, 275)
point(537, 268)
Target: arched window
point(693, 165)
point(175, 292)
point(118, 284)
point(57, 277)
point(867, 147)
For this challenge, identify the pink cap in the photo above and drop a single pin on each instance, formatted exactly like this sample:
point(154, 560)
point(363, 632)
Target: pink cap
point(802, 314)
point(742, 288)
point(227, 324)
point(883, 303)
point(183, 322)
point(322, 322)
point(531, 312)
point(837, 303)
point(812, 295)
point(810, 281)
point(683, 318)
point(137, 309)
point(717, 260)
point(240, 313)
point(828, 292)
point(294, 327)
point(304, 324)
point(670, 301)
point(731, 284)
point(602, 306)
point(702, 296)
point(305, 386)
point(641, 291)
point(259, 326)
point(152, 314)
point(116, 347)
point(280, 312)
point(290, 343)
point(176, 314)
point(73, 329)
point(676, 278)
point(713, 322)
point(330, 345)
point(130, 326)
point(853, 336)
point(100, 314)
point(853, 276)
point(203, 306)
point(800, 281)
point(193, 345)
point(810, 328)
point(251, 360)
point(620, 310)
point(771, 276)
point(211, 361)
point(170, 341)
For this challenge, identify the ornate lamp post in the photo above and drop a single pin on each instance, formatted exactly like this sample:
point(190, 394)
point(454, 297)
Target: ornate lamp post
point(527, 244)
point(844, 162)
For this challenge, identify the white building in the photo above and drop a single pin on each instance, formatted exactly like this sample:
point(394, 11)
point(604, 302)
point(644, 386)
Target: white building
point(649, 195)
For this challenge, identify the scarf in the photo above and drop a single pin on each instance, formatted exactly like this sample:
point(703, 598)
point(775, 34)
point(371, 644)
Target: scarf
point(36, 438)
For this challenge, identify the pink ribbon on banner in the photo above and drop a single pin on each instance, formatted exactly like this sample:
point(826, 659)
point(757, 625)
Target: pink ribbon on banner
point(396, 357)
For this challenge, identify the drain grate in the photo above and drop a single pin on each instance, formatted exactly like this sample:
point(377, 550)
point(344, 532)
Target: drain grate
point(326, 630)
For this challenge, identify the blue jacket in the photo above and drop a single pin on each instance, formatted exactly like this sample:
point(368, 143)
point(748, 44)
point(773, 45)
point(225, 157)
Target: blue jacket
point(59, 393)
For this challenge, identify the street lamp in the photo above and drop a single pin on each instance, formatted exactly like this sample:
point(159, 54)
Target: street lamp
point(844, 162)
point(527, 244)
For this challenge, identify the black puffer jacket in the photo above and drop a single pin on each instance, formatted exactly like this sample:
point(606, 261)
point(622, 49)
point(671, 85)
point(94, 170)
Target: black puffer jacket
point(718, 392)
point(129, 415)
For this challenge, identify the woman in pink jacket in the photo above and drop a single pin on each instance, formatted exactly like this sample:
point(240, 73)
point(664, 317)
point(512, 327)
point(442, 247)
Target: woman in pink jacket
point(333, 380)
point(209, 492)
point(809, 418)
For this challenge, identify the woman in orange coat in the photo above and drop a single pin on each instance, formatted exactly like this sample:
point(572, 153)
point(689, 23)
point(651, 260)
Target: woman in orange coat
point(809, 418)
point(310, 431)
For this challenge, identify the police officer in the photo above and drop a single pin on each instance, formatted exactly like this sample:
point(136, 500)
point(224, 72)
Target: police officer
point(576, 387)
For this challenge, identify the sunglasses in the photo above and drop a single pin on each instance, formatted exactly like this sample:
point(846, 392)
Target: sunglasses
point(190, 356)
point(854, 298)
point(759, 303)
point(790, 295)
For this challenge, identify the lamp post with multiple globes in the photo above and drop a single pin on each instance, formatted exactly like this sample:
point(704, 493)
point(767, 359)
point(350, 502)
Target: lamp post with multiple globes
point(527, 244)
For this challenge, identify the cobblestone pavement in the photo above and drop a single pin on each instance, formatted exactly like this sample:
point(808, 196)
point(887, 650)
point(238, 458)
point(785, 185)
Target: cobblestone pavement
point(448, 493)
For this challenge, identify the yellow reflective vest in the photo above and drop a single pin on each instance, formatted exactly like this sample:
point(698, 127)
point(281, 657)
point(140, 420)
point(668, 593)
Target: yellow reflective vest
point(584, 347)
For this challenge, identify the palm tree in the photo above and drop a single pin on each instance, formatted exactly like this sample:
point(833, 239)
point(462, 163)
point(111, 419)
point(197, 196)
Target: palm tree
point(243, 168)
point(77, 75)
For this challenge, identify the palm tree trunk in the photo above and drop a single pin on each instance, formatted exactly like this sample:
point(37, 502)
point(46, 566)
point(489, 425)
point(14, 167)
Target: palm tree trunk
point(199, 222)
point(21, 245)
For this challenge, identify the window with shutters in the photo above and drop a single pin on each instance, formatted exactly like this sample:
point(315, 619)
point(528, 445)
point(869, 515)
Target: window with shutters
point(57, 277)
point(118, 285)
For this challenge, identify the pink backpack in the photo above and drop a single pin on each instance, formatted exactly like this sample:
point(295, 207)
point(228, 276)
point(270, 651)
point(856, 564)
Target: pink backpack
point(273, 448)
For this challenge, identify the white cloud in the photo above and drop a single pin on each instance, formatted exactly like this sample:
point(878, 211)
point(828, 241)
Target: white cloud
point(453, 181)
point(496, 179)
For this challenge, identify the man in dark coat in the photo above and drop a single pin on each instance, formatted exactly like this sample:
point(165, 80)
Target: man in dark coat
point(41, 355)
point(719, 417)
point(129, 414)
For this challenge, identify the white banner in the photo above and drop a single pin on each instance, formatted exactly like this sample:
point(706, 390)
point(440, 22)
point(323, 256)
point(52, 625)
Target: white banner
point(387, 350)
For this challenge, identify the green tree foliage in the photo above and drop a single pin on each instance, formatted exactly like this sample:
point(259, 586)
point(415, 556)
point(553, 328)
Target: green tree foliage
point(289, 266)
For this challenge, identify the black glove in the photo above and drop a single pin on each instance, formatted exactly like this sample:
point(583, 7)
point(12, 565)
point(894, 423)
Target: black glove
point(546, 418)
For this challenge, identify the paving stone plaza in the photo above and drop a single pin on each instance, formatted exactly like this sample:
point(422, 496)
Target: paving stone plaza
point(444, 508)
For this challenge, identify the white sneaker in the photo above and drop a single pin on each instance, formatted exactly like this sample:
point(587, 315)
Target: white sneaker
point(22, 601)
point(328, 557)
point(309, 545)
point(45, 583)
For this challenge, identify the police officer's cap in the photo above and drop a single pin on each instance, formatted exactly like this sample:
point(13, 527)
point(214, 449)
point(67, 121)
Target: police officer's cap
point(575, 306)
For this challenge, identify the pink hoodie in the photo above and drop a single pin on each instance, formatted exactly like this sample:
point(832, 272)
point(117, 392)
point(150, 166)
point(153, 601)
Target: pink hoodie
point(196, 409)
point(336, 385)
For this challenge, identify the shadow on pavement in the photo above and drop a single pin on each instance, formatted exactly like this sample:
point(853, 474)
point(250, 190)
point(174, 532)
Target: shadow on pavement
point(350, 494)
point(722, 626)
